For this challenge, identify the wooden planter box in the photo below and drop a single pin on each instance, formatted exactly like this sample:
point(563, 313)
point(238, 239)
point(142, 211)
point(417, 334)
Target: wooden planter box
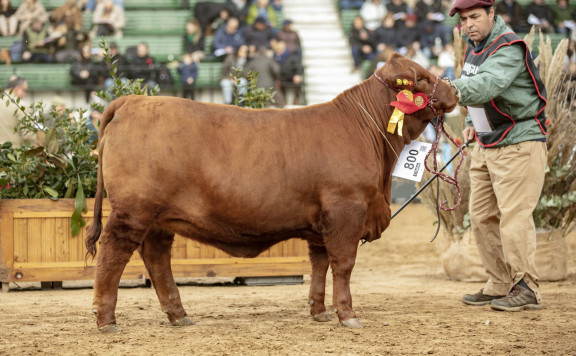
point(36, 245)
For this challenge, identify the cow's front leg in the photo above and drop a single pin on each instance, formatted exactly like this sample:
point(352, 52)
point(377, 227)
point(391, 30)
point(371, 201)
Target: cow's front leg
point(319, 261)
point(155, 252)
point(341, 239)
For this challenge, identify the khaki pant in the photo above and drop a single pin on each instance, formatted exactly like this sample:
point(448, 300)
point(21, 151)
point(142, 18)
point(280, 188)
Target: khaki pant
point(505, 184)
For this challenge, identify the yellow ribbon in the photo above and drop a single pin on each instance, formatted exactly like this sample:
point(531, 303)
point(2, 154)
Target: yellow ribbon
point(397, 118)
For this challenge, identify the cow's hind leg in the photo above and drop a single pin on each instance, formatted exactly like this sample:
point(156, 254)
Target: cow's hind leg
point(117, 244)
point(320, 263)
point(156, 253)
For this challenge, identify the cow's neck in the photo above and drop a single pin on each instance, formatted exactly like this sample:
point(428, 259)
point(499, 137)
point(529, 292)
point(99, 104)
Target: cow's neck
point(368, 103)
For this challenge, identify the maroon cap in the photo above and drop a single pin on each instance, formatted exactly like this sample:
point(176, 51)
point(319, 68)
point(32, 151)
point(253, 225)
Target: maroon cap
point(468, 4)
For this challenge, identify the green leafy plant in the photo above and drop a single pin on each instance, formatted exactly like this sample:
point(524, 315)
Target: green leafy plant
point(250, 95)
point(62, 163)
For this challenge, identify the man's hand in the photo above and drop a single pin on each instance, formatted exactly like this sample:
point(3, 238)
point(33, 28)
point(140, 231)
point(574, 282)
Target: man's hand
point(469, 134)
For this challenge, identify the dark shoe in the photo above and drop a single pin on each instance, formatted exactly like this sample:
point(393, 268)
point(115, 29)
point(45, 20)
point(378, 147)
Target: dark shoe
point(479, 298)
point(519, 298)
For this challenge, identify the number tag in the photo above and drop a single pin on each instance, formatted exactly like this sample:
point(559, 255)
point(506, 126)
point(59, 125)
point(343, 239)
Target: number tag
point(410, 165)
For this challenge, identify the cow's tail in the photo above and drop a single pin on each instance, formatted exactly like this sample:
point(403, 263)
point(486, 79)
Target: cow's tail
point(93, 233)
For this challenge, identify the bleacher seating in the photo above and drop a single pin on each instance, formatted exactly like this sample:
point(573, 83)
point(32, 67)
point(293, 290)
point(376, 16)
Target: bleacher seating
point(48, 4)
point(162, 48)
point(159, 23)
point(40, 76)
point(152, 4)
point(156, 23)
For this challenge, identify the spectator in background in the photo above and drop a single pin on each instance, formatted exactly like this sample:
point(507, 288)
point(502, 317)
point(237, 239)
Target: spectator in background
point(70, 15)
point(564, 17)
point(277, 5)
point(430, 14)
point(143, 65)
point(360, 42)
point(408, 34)
point(268, 72)
point(210, 15)
point(386, 35)
point(400, 10)
point(350, 4)
point(238, 9)
point(194, 39)
point(372, 13)
point(513, 15)
point(28, 11)
point(238, 60)
point(65, 43)
point(541, 15)
point(10, 114)
point(188, 70)
point(446, 60)
point(85, 71)
point(228, 38)
point(8, 20)
point(36, 39)
point(290, 37)
point(67, 19)
point(108, 19)
point(291, 70)
point(261, 8)
point(258, 35)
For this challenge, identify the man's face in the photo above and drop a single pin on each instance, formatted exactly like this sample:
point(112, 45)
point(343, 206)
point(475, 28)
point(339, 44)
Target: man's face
point(21, 91)
point(476, 23)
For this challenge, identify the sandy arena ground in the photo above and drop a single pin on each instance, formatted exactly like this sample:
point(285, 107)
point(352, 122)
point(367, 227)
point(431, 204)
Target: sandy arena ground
point(399, 291)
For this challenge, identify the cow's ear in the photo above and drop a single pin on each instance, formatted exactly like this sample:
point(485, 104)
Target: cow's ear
point(398, 72)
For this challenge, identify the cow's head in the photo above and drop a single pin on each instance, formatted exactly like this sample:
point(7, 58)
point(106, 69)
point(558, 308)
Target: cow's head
point(400, 73)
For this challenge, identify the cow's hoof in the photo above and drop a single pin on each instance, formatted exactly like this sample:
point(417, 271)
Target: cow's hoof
point(110, 329)
point(322, 317)
point(352, 323)
point(185, 321)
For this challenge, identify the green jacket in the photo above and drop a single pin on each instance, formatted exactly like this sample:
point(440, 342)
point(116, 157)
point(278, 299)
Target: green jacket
point(504, 78)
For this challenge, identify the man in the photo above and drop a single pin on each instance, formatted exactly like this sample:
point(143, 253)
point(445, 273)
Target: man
point(142, 65)
point(9, 120)
point(228, 38)
point(506, 98)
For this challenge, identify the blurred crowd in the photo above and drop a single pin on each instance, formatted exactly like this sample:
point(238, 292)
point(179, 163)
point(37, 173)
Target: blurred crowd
point(243, 34)
point(418, 30)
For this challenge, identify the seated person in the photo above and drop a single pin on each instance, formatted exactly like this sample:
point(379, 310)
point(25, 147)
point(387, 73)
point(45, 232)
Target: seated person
point(258, 35)
point(228, 38)
point(541, 15)
point(291, 70)
point(108, 19)
point(143, 65)
point(360, 42)
point(36, 40)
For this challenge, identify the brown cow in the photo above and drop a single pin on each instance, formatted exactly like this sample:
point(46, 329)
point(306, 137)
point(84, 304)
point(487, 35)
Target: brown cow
point(243, 180)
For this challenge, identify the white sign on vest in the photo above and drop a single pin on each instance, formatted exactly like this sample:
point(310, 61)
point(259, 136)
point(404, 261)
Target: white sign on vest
point(410, 164)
